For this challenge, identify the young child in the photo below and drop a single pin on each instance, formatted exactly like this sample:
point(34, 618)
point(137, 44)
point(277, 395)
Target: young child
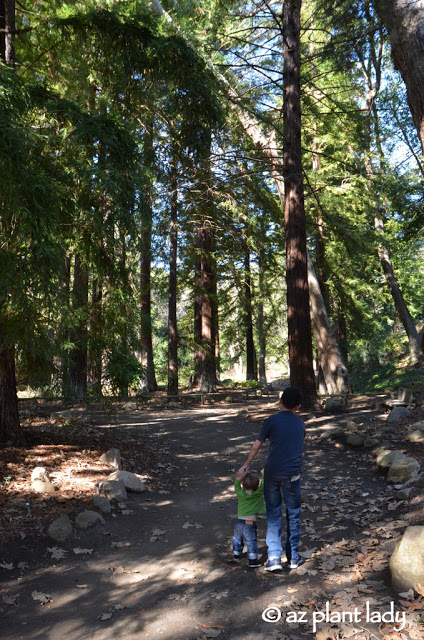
point(250, 494)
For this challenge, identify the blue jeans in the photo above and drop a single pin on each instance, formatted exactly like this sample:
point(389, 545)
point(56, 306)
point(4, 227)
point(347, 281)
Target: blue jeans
point(272, 494)
point(245, 533)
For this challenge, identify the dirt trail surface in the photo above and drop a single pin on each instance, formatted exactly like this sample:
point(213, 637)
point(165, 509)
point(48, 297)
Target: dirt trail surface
point(162, 566)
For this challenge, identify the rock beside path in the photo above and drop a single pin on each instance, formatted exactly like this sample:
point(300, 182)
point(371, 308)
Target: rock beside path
point(403, 470)
point(40, 473)
point(87, 519)
point(43, 487)
point(113, 490)
point(398, 413)
point(385, 459)
point(60, 529)
point(102, 504)
point(130, 481)
point(407, 560)
point(112, 457)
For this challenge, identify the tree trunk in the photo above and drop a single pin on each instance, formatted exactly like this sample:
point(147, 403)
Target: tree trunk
point(172, 292)
point(197, 320)
point(94, 365)
point(145, 267)
point(207, 269)
point(9, 415)
point(7, 31)
point(251, 371)
point(404, 21)
point(298, 317)
point(261, 324)
point(330, 359)
point(77, 371)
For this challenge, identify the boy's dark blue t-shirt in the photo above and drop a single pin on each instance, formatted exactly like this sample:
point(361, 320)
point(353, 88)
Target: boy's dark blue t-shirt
point(286, 433)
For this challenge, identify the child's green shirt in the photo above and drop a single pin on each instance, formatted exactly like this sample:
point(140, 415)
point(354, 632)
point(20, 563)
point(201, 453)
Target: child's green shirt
point(249, 504)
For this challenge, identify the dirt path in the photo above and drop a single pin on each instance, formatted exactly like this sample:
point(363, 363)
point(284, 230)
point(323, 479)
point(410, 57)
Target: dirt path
point(165, 570)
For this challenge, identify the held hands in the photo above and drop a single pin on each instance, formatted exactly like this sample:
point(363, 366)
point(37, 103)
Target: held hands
point(242, 471)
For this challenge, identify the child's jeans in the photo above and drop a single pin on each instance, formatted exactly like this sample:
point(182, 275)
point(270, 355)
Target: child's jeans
point(245, 531)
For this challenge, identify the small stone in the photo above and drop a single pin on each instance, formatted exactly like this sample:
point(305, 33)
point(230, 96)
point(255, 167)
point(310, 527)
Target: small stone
point(87, 519)
point(43, 487)
point(112, 457)
point(130, 406)
point(415, 436)
point(350, 425)
point(113, 490)
point(102, 504)
point(60, 529)
point(403, 494)
point(227, 399)
point(355, 440)
point(40, 473)
point(398, 413)
point(130, 481)
point(338, 432)
point(417, 426)
point(369, 443)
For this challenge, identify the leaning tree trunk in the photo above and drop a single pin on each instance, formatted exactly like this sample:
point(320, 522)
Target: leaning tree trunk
point(404, 21)
point(330, 359)
point(298, 317)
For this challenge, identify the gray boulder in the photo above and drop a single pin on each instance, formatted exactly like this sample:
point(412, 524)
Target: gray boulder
point(386, 458)
point(113, 490)
point(333, 406)
point(87, 519)
point(60, 529)
point(130, 481)
point(402, 470)
point(407, 560)
point(102, 504)
point(112, 457)
point(398, 413)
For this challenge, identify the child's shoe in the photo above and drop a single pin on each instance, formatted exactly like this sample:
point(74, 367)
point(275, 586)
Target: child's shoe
point(236, 556)
point(273, 564)
point(254, 562)
point(294, 564)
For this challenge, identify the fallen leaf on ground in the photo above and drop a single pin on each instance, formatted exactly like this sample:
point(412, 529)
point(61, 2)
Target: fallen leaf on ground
point(159, 532)
point(77, 550)
point(41, 597)
point(11, 599)
point(105, 616)
point(5, 565)
point(57, 553)
point(82, 586)
point(221, 594)
point(23, 565)
point(120, 544)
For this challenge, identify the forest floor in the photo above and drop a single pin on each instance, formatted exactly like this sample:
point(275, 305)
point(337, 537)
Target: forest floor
point(162, 566)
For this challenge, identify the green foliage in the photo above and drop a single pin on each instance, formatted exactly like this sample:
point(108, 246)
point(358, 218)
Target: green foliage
point(123, 371)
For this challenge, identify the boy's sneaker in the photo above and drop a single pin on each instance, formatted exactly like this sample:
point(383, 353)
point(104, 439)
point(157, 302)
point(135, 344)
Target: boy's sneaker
point(273, 564)
point(236, 556)
point(253, 563)
point(294, 564)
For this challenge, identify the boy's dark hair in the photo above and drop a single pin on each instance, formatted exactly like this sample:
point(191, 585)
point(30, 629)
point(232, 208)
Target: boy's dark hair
point(291, 397)
point(251, 481)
